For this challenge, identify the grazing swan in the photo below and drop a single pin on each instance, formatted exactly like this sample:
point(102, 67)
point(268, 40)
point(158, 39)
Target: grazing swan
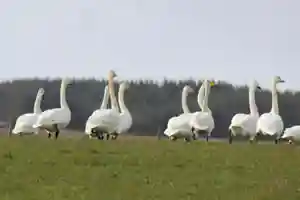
point(106, 120)
point(178, 126)
point(125, 116)
point(292, 134)
point(88, 129)
point(271, 123)
point(245, 124)
point(24, 122)
point(203, 122)
point(52, 120)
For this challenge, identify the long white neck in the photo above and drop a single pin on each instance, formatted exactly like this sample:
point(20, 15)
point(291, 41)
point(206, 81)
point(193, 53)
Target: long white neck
point(205, 101)
point(122, 105)
point(275, 108)
point(37, 103)
point(105, 98)
point(63, 101)
point(252, 103)
point(201, 94)
point(184, 105)
point(113, 99)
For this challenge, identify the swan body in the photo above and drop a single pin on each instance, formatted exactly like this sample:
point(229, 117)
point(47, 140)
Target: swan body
point(125, 116)
point(106, 120)
point(178, 126)
point(88, 126)
point(271, 123)
point(203, 121)
point(245, 124)
point(292, 133)
point(25, 122)
point(52, 120)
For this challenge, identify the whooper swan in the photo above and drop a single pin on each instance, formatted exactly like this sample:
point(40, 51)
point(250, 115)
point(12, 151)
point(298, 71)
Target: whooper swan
point(25, 122)
point(203, 122)
point(271, 123)
point(52, 120)
point(245, 124)
point(88, 129)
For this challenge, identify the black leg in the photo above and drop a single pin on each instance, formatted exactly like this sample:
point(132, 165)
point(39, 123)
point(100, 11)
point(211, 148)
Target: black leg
point(100, 136)
point(207, 136)
point(107, 136)
point(49, 134)
point(57, 134)
point(192, 129)
point(114, 136)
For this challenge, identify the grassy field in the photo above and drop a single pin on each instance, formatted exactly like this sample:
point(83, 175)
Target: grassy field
point(135, 168)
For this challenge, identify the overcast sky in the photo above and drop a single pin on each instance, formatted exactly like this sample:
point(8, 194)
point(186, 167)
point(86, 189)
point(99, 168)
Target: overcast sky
point(233, 40)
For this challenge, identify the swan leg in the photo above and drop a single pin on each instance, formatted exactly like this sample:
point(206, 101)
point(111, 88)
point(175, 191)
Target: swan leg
point(56, 131)
point(107, 136)
point(207, 136)
point(194, 136)
point(49, 134)
point(290, 141)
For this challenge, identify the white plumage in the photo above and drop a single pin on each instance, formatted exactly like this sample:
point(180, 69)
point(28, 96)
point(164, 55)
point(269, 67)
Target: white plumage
point(245, 124)
point(271, 123)
point(52, 120)
point(25, 122)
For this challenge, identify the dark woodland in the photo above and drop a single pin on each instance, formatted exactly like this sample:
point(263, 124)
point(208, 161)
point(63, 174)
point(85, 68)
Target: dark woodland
point(151, 105)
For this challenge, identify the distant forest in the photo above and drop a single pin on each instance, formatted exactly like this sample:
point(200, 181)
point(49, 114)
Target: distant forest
point(150, 104)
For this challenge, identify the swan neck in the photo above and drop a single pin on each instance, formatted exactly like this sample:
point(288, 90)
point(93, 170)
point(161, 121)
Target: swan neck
point(111, 85)
point(105, 99)
point(37, 103)
point(123, 107)
point(275, 108)
point(200, 96)
point(252, 102)
point(63, 101)
point(205, 100)
point(184, 105)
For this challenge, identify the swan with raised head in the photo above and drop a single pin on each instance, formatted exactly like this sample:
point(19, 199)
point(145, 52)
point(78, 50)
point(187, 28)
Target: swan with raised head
point(271, 123)
point(125, 116)
point(88, 129)
point(106, 120)
point(203, 122)
point(25, 122)
point(52, 120)
point(245, 124)
point(178, 126)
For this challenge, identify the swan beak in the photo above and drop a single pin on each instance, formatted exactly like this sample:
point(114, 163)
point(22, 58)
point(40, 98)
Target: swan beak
point(259, 88)
point(281, 81)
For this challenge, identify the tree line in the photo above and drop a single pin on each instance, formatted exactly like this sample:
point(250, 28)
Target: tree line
point(151, 104)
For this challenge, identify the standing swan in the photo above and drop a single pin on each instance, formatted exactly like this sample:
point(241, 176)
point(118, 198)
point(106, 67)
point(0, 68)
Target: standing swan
point(245, 124)
point(178, 126)
point(271, 123)
point(24, 122)
point(125, 116)
point(88, 129)
point(203, 122)
point(52, 120)
point(106, 120)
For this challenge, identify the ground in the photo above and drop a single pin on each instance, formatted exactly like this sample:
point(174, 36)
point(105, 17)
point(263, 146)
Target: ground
point(144, 168)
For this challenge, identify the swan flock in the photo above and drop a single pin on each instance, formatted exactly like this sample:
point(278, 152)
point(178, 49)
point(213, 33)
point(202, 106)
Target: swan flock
point(109, 123)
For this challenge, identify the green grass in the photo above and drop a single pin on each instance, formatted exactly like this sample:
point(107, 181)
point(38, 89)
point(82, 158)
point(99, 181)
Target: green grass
point(144, 169)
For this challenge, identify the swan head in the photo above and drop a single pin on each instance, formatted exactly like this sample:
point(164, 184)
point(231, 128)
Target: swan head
point(188, 89)
point(124, 85)
point(256, 85)
point(67, 81)
point(41, 91)
point(278, 79)
point(112, 74)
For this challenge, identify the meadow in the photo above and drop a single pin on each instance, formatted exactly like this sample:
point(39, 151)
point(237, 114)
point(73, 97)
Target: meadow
point(144, 168)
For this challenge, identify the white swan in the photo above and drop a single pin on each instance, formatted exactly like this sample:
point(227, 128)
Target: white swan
point(106, 120)
point(203, 122)
point(271, 123)
point(178, 126)
point(245, 124)
point(52, 120)
point(24, 122)
point(292, 134)
point(125, 117)
point(88, 129)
